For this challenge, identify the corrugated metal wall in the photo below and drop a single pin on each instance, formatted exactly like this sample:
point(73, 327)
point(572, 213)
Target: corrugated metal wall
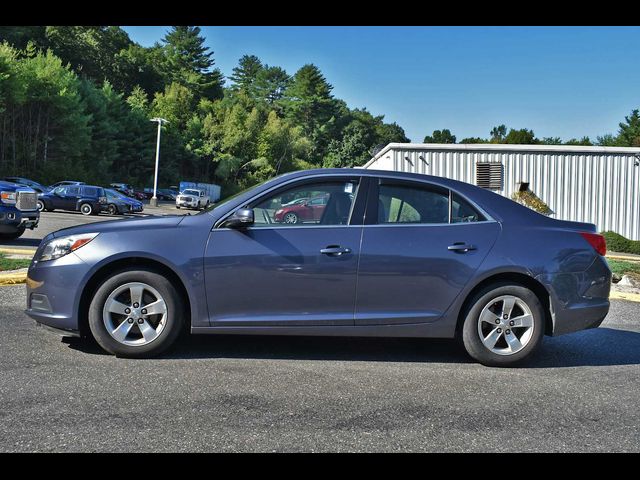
point(600, 187)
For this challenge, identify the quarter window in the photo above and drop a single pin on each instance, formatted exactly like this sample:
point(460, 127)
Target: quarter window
point(321, 203)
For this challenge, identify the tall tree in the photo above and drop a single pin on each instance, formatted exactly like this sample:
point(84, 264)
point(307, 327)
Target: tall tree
point(189, 62)
point(246, 73)
point(498, 134)
point(629, 133)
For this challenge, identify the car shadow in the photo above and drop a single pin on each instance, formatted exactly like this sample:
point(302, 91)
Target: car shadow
point(22, 242)
point(597, 347)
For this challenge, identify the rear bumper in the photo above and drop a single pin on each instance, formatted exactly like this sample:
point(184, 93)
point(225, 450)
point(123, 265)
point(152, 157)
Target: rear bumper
point(579, 300)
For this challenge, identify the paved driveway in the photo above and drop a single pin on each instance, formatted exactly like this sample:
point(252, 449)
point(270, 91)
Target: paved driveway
point(226, 393)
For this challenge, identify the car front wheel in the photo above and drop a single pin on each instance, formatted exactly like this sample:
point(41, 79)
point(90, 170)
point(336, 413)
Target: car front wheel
point(136, 313)
point(40, 205)
point(504, 325)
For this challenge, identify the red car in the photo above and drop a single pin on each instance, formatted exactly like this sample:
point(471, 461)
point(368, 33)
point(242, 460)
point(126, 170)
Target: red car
point(309, 210)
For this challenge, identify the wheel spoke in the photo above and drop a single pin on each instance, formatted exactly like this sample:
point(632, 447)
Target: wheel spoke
point(489, 317)
point(507, 306)
point(513, 342)
point(136, 294)
point(491, 339)
point(115, 306)
point(155, 308)
point(148, 332)
point(523, 321)
point(121, 332)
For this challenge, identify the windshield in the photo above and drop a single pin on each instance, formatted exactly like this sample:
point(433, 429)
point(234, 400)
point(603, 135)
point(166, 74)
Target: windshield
point(191, 192)
point(113, 194)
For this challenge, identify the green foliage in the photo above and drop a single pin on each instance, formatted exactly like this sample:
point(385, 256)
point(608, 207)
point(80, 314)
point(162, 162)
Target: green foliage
point(531, 200)
point(618, 243)
point(629, 134)
point(623, 267)
point(440, 136)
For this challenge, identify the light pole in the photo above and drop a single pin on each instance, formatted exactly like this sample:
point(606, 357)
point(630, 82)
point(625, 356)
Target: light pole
point(154, 200)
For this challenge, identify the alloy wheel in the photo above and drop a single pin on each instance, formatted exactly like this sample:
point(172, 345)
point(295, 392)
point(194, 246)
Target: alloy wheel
point(135, 314)
point(505, 325)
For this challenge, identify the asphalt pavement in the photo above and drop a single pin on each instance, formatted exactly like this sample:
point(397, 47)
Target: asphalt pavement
point(52, 221)
point(581, 392)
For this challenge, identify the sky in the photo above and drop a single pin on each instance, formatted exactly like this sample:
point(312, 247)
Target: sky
point(563, 82)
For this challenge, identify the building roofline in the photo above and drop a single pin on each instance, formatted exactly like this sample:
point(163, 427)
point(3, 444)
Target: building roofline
point(488, 147)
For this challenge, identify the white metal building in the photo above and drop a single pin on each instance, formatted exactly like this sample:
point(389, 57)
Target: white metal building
point(598, 185)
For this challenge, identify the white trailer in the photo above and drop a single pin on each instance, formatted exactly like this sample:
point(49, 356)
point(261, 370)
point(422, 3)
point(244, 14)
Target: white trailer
point(599, 185)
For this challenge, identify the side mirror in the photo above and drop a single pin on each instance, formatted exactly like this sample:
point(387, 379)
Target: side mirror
point(241, 218)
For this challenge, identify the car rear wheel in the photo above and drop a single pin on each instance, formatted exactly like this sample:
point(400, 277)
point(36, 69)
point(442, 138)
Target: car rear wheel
point(86, 209)
point(136, 314)
point(290, 218)
point(112, 210)
point(504, 325)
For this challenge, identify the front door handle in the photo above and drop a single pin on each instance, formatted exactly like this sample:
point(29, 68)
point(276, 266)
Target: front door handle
point(461, 247)
point(335, 250)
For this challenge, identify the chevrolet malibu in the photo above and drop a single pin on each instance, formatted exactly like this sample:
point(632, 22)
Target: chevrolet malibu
point(392, 255)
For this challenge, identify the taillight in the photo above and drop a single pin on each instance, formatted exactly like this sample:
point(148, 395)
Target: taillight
point(598, 242)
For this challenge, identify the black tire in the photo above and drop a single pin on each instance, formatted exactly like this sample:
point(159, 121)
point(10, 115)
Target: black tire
point(174, 317)
point(41, 206)
point(13, 235)
point(177, 207)
point(86, 209)
point(112, 210)
point(470, 329)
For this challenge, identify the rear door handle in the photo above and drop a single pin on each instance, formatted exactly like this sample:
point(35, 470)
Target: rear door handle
point(335, 250)
point(461, 247)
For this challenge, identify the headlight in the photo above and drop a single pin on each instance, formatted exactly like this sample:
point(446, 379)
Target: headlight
point(8, 197)
point(59, 247)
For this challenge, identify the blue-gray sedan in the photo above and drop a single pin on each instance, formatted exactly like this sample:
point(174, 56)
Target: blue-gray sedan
point(380, 254)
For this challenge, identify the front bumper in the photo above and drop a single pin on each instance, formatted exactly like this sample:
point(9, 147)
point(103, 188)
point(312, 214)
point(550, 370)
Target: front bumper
point(186, 203)
point(53, 292)
point(11, 220)
point(579, 300)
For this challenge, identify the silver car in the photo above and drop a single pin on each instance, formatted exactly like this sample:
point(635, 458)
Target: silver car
point(192, 198)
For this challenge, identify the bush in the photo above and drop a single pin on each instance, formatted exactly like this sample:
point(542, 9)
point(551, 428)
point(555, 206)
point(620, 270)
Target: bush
point(531, 200)
point(618, 243)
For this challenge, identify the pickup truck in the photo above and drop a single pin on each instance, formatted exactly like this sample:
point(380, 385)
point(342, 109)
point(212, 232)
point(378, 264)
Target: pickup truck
point(18, 210)
point(192, 198)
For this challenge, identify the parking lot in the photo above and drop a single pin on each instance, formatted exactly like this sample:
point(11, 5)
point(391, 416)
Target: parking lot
point(52, 221)
point(230, 393)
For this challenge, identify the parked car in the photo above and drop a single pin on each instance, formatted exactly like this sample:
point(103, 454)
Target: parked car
point(119, 203)
point(18, 210)
point(86, 199)
point(39, 188)
point(140, 195)
point(394, 254)
point(306, 211)
point(160, 194)
point(168, 194)
point(192, 198)
point(124, 188)
point(63, 183)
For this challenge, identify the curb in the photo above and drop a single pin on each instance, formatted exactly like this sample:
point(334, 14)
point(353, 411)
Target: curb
point(13, 278)
point(631, 297)
point(17, 251)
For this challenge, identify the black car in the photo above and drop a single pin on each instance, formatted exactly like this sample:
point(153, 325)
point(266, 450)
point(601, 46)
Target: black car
point(39, 188)
point(87, 199)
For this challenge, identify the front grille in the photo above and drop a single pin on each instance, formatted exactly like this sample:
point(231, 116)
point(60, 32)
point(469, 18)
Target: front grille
point(27, 201)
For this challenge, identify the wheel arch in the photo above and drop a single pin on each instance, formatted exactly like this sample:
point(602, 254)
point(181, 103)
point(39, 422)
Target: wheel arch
point(512, 278)
point(120, 264)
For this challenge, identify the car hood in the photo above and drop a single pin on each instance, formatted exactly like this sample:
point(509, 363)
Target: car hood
point(166, 221)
